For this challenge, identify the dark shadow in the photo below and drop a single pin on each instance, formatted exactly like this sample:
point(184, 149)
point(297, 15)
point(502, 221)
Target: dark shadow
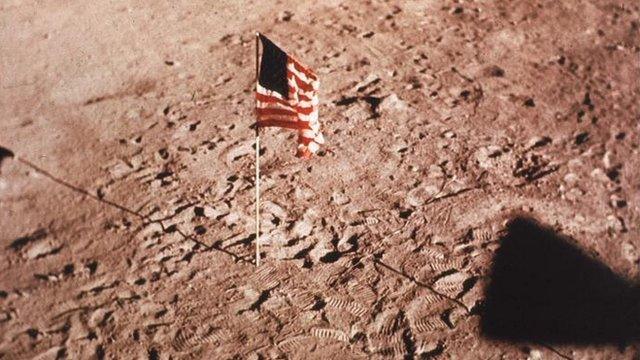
point(5, 154)
point(544, 289)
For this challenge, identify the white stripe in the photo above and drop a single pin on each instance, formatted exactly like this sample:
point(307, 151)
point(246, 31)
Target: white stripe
point(315, 84)
point(264, 91)
point(311, 118)
point(309, 134)
point(314, 101)
point(315, 126)
point(273, 105)
point(292, 84)
point(313, 147)
point(313, 135)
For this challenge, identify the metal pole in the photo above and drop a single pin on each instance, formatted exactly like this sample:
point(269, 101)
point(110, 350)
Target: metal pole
point(257, 158)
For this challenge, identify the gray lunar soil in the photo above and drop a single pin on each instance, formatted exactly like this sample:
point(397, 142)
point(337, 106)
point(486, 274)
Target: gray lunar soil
point(127, 213)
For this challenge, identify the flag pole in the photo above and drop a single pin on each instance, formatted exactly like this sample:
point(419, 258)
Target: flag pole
point(257, 158)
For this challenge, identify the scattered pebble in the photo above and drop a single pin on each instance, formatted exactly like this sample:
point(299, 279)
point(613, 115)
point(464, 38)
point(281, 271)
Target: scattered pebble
point(608, 160)
point(615, 224)
point(617, 201)
point(534, 354)
point(449, 134)
point(285, 16)
point(392, 103)
point(599, 175)
point(371, 79)
point(485, 154)
point(571, 179)
point(302, 228)
point(630, 252)
point(494, 71)
point(339, 198)
point(537, 141)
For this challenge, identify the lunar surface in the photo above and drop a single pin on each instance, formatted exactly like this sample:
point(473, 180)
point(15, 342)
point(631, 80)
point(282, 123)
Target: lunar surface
point(478, 195)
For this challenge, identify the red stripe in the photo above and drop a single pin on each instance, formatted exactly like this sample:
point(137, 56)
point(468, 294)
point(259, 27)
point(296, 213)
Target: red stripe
point(271, 99)
point(302, 85)
point(274, 100)
point(304, 140)
point(304, 110)
point(301, 68)
point(282, 112)
point(304, 153)
point(303, 97)
point(295, 125)
point(275, 106)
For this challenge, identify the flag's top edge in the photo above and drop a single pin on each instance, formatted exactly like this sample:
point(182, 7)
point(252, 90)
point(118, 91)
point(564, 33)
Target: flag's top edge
point(294, 58)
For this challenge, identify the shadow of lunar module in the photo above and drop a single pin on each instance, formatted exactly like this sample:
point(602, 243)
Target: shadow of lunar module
point(545, 289)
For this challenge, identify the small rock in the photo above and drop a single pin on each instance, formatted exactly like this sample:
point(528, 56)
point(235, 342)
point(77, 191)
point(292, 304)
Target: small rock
point(319, 251)
point(494, 71)
point(285, 16)
point(133, 114)
point(485, 154)
point(242, 149)
point(538, 141)
point(97, 317)
point(120, 170)
point(608, 160)
point(534, 354)
point(392, 103)
point(574, 194)
point(369, 80)
point(232, 219)
point(618, 202)
point(442, 144)
point(474, 296)
point(366, 34)
point(302, 228)
point(426, 347)
point(575, 164)
point(357, 112)
point(5, 316)
point(449, 134)
point(412, 85)
point(213, 212)
point(614, 223)
point(494, 151)
point(456, 315)
point(339, 198)
point(571, 178)
point(456, 185)
point(303, 193)
point(630, 252)
point(599, 175)
point(42, 249)
point(527, 208)
point(421, 194)
point(582, 138)
point(274, 209)
point(435, 172)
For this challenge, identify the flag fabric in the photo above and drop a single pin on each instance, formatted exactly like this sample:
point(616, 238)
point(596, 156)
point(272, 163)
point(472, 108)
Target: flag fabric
point(287, 97)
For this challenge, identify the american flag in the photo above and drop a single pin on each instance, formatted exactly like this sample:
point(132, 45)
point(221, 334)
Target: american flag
point(287, 97)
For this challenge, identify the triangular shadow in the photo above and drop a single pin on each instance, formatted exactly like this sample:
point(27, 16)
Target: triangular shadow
point(544, 289)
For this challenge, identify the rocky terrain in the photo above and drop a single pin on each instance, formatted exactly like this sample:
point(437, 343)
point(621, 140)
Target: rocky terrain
point(478, 153)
